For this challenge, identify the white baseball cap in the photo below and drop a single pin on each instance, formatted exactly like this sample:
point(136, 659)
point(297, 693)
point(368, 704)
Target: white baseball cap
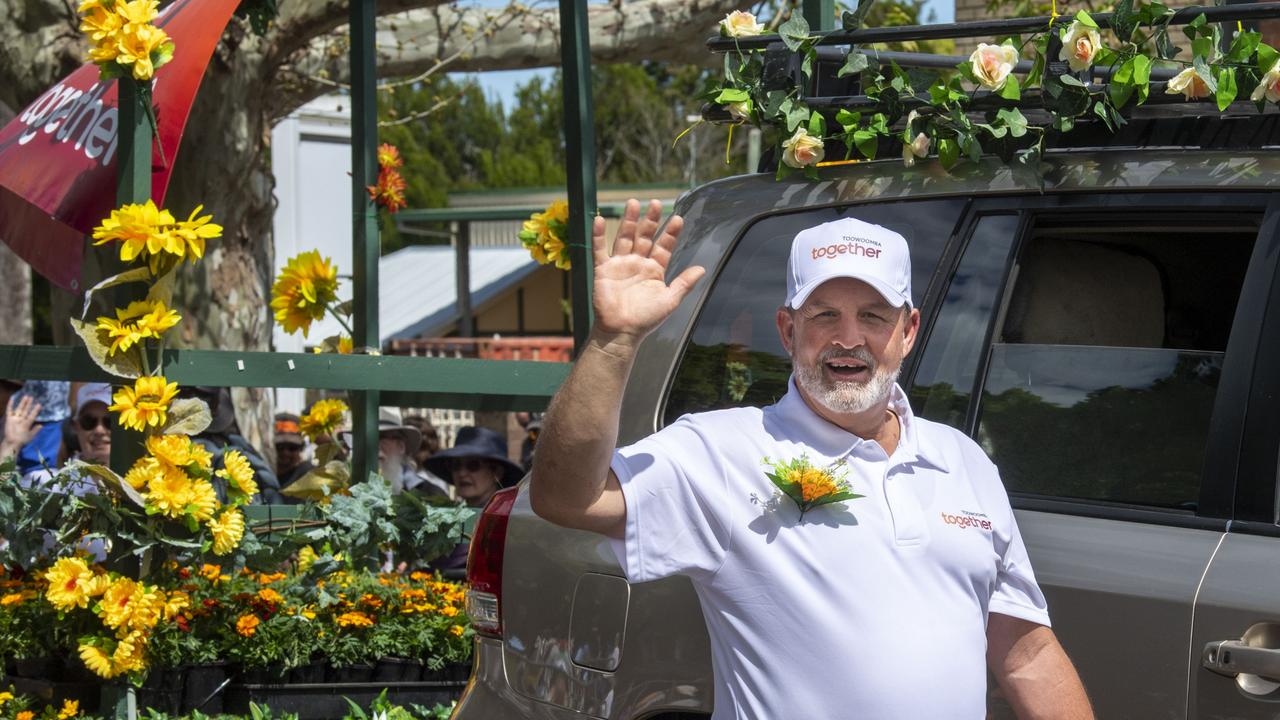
point(851, 248)
point(93, 392)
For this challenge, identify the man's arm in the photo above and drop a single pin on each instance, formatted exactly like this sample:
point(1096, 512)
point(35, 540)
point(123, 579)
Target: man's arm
point(1034, 672)
point(572, 484)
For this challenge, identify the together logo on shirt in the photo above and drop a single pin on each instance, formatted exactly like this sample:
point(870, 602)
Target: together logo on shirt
point(967, 520)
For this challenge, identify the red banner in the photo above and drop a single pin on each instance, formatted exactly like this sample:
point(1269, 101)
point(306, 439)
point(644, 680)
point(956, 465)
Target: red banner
point(58, 157)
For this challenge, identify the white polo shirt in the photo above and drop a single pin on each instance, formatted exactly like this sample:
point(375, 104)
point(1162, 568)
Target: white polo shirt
point(872, 608)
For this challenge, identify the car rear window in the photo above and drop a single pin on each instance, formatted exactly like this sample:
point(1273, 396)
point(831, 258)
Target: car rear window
point(734, 356)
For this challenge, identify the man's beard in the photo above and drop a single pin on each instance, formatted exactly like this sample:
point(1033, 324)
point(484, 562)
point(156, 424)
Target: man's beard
point(392, 470)
point(846, 396)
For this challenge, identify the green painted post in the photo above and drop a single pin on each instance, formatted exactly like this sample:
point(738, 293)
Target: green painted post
point(820, 14)
point(365, 245)
point(580, 147)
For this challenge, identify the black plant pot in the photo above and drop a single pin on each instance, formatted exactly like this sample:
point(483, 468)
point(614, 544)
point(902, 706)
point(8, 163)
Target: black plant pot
point(393, 669)
point(311, 673)
point(350, 674)
point(162, 690)
point(203, 687)
point(261, 676)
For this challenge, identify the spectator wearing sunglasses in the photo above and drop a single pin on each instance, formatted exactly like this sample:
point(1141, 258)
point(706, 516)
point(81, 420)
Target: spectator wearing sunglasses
point(92, 426)
point(477, 465)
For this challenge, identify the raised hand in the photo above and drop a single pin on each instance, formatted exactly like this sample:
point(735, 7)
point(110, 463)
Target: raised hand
point(19, 425)
point(631, 296)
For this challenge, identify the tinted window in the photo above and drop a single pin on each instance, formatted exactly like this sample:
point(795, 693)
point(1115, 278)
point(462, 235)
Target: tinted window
point(734, 356)
point(1102, 375)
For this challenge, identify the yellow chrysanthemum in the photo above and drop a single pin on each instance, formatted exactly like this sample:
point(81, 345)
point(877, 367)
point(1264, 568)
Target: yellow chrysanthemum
point(142, 473)
point(71, 584)
point(323, 418)
point(174, 603)
point(5, 697)
point(97, 21)
point(201, 456)
point(130, 653)
point(135, 44)
point(816, 484)
point(138, 12)
point(118, 602)
point(204, 501)
point(146, 404)
point(237, 470)
point(247, 625)
point(70, 709)
point(169, 492)
point(307, 285)
point(269, 595)
point(227, 530)
point(98, 662)
point(173, 451)
point(543, 235)
point(210, 572)
point(306, 558)
point(353, 619)
point(457, 630)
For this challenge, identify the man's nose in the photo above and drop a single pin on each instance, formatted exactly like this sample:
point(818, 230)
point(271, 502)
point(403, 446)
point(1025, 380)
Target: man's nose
point(849, 334)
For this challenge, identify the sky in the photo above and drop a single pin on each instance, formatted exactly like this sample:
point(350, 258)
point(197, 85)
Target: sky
point(502, 84)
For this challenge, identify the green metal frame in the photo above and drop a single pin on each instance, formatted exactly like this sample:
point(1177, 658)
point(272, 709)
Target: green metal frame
point(820, 14)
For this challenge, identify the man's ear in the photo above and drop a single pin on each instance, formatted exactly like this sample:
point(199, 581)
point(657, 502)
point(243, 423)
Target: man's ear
point(786, 327)
point(910, 330)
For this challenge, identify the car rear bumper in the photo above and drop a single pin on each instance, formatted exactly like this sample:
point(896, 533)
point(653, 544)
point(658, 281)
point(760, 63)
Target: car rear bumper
point(490, 697)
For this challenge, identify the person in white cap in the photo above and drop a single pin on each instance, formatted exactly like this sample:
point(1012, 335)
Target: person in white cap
point(892, 603)
point(92, 426)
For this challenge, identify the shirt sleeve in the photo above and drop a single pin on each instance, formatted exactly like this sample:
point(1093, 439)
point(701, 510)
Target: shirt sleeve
point(674, 486)
point(1016, 592)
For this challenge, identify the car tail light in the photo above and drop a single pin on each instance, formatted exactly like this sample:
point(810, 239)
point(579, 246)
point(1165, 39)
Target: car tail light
point(484, 563)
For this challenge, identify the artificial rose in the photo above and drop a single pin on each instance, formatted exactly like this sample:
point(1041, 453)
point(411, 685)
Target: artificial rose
point(802, 149)
point(917, 148)
point(1269, 86)
point(739, 111)
point(740, 24)
point(1189, 84)
point(1080, 46)
point(992, 64)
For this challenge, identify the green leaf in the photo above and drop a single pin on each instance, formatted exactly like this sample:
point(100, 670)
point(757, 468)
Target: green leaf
point(1206, 74)
point(1192, 29)
point(797, 116)
point(1203, 47)
point(848, 121)
point(853, 19)
point(794, 31)
point(774, 102)
point(1267, 57)
point(1226, 92)
point(107, 479)
point(187, 416)
point(731, 95)
point(1100, 109)
point(879, 123)
point(817, 124)
point(1243, 46)
point(948, 153)
point(996, 131)
point(1142, 76)
point(1014, 120)
point(855, 62)
point(1011, 90)
point(1124, 20)
point(1164, 45)
point(1071, 80)
point(162, 288)
point(867, 141)
point(970, 146)
point(1063, 123)
point(810, 57)
point(138, 274)
point(120, 364)
point(1086, 19)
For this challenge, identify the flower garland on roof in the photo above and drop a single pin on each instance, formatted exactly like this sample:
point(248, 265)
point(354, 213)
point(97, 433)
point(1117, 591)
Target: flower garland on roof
point(938, 118)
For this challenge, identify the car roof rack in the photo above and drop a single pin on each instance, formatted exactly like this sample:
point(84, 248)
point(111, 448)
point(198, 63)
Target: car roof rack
point(1164, 120)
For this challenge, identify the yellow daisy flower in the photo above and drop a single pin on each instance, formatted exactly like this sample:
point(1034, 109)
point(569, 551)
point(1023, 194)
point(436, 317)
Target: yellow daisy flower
point(70, 708)
point(169, 492)
point(146, 404)
point(323, 418)
point(139, 228)
point(138, 12)
point(353, 619)
point(174, 451)
point(141, 319)
point(204, 500)
point(307, 285)
point(135, 44)
point(98, 662)
point(457, 630)
point(142, 472)
point(237, 470)
point(194, 231)
point(98, 21)
point(5, 697)
point(71, 584)
point(227, 530)
point(130, 653)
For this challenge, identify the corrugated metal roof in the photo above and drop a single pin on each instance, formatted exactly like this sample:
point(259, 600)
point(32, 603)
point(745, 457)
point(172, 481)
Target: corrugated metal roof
point(417, 290)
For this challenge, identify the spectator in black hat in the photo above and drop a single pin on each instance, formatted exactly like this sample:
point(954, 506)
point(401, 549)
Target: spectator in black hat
point(477, 465)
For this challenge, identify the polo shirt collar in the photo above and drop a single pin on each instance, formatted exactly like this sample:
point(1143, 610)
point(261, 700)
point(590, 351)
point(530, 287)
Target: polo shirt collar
point(833, 441)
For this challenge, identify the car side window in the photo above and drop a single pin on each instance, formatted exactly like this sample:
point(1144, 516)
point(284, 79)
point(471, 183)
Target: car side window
point(734, 356)
point(1103, 369)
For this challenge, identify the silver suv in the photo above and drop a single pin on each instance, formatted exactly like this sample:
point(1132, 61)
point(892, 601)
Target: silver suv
point(1107, 327)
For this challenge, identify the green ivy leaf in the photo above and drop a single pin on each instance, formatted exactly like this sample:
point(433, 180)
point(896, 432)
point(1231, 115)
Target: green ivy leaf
point(774, 102)
point(794, 31)
point(1203, 46)
point(1012, 90)
point(996, 131)
point(797, 116)
point(1164, 46)
point(1014, 120)
point(1100, 109)
point(948, 153)
point(817, 124)
point(732, 95)
point(1206, 74)
point(853, 19)
point(1267, 57)
point(855, 62)
point(1192, 29)
point(1124, 21)
point(867, 142)
point(1071, 80)
point(1063, 123)
point(1086, 19)
point(1142, 76)
point(847, 120)
point(1243, 46)
point(810, 57)
point(1226, 92)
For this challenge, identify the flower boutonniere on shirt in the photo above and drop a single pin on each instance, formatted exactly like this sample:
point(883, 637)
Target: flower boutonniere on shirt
point(810, 486)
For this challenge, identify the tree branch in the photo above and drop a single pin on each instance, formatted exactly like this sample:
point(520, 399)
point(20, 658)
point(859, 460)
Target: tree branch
point(515, 37)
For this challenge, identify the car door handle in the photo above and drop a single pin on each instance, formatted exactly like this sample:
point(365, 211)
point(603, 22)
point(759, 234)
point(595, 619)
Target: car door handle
point(1234, 657)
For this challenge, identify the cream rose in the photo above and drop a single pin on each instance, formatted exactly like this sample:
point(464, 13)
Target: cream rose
point(917, 148)
point(1189, 84)
point(739, 111)
point(802, 149)
point(740, 24)
point(992, 64)
point(1080, 46)
point(1269, 86)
